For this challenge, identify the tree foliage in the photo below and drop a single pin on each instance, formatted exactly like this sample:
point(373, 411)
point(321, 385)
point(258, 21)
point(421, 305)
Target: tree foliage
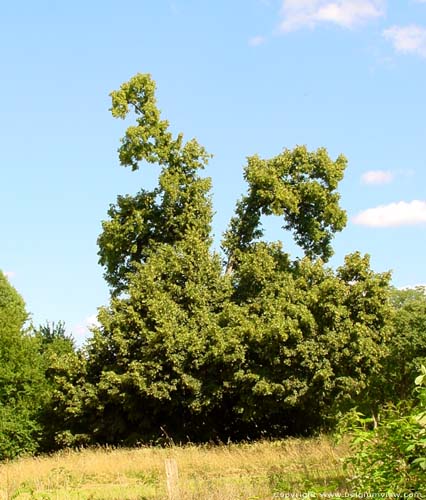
point(22, 387)
point(312, 338)
point(177, 209)
point(391, 457)
point(407, 344)
point(12, 309)
point(195, 348)
point(299, 186)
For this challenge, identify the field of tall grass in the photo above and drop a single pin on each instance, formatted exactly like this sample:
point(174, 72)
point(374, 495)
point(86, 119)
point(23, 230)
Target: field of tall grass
point(260, 470)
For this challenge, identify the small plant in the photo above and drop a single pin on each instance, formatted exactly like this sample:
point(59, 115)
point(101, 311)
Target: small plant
point(392, 457)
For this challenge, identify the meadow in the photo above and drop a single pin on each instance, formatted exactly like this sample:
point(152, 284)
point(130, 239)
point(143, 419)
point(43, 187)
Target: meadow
point(259, 470)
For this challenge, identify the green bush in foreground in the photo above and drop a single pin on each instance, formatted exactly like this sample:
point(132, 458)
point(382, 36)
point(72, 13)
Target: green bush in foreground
point(392, 457)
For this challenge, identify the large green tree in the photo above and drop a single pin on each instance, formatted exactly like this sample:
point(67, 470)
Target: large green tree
point(196, 347)
point(312, 338)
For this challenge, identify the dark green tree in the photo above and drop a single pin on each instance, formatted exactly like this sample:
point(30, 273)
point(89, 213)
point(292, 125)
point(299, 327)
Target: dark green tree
point(59, 361)
point(54, 339)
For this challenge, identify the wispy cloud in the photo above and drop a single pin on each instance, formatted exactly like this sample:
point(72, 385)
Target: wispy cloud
point(417, 286)
point(297, 14)
point(81, 330)
point(92, 321)
point(401, 213)
point(407, 39)
point(257, 40)
point(9, 274)
point(406, 172)
point(377, 177)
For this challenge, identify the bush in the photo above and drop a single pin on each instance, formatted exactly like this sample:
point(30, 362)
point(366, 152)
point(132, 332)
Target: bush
point(391, 458)
point(19, 432)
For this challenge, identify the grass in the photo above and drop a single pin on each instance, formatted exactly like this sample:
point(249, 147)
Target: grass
point(261, 470)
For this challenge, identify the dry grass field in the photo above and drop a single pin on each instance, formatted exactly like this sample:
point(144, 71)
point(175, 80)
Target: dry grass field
point(262, 470)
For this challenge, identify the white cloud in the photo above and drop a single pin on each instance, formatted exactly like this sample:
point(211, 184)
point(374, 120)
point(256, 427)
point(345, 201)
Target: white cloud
point(92, 321)
point(9, 274)
point(416, 286)
point(377, 177)
point(255, 41)
point(407, 39)
point(401, 213)
point(298, 14)
point(81, 331)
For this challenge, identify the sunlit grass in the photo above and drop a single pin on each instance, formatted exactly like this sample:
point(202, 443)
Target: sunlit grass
point(247, 471)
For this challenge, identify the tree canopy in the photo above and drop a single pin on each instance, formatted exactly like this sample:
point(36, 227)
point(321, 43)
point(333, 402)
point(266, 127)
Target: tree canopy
point(197, 345)
point(301, 187)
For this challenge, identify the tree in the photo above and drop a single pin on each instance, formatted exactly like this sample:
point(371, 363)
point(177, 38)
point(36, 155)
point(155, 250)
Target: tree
point(194, 348)
point(22, 387)
point(12, 309)
point(57, 354)
point(150, 363)
point(312, 338)
point(406, 345)
point(54, 340)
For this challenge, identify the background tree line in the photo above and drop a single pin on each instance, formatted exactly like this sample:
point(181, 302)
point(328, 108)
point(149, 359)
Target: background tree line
point(200, 345)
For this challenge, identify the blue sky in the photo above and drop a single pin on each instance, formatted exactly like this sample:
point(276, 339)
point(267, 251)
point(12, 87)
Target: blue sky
point(244, 77)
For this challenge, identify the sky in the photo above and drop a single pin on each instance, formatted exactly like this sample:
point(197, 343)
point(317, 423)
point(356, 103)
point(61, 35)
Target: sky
point(242, 76)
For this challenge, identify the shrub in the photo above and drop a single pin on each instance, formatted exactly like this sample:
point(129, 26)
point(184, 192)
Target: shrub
point(391, 458)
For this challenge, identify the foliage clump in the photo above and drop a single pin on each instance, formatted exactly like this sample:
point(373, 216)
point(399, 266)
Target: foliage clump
point(391, 458)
